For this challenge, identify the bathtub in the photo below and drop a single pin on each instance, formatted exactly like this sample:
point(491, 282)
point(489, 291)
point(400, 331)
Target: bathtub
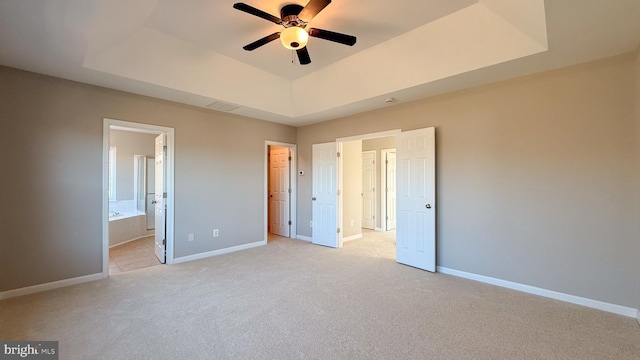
point(126, 223)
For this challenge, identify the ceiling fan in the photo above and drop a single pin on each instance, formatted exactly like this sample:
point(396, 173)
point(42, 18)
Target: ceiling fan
point(295, 35)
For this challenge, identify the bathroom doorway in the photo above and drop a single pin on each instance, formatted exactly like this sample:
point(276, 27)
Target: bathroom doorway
point(132, 238)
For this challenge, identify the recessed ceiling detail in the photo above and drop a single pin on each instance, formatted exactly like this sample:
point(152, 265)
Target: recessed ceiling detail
point(191, 51)
point(480, 34)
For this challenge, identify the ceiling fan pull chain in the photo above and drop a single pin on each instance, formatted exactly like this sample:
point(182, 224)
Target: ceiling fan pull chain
point(293, 57)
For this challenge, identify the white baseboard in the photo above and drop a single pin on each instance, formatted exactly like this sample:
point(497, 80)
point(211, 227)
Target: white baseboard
point(228, 250)
point(352, 237)
point(638, 316)
point(304, 238)
point(49, 286)
point(595, 304)
point(378, 229)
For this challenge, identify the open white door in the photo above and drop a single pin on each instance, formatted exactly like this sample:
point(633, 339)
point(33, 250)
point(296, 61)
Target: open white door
point(416, 207)
point(280, 191)
point(160, 199)
point(324, 195)
point(390, 198)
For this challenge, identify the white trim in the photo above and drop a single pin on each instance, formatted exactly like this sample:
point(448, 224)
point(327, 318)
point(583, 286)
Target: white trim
point(208, 254)
point(49, 286)
point(293, 173)
point(370, 136)
point(109, 124)
point(304, 238)
point(340, 192)
point(595, 304)
point(638, 316)
point(383, 187)
point(375, 186)
point(352, 237)
point(379, 229)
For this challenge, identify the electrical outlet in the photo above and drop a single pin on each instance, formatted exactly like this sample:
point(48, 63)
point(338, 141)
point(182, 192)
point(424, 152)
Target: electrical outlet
point(191, 237)
point(353, 222)
point(216, 232)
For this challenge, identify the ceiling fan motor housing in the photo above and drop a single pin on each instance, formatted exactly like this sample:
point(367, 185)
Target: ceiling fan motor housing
point(289, 15)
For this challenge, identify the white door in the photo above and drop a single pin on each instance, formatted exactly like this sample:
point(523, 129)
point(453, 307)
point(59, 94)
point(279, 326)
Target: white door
point(416, 207)
point(160, 199)
point(390, 172)
point(369, 189)
point(324, 195)
point(279, 192)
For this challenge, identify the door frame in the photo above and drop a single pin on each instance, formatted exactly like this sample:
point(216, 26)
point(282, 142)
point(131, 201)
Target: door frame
point(383, 187)
point(113, 124)
point(293, 183)
point(375, 185)
point(339, 172)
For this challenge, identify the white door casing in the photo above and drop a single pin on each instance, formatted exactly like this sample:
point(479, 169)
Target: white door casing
point(324, 195)
point(416, 206)
point(390, 190)
point(369, 189)
point(279, 192)
point(159, 199)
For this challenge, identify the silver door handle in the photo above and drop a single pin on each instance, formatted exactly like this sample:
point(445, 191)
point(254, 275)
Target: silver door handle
point(428, 206)
point(313, 198)
point(154, 202)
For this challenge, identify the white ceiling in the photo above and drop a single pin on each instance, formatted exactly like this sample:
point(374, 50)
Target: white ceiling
point(190, 51)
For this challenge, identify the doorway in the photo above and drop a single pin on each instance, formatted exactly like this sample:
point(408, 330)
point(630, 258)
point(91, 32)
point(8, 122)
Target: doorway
point(163, 223)
point(415, 206)
point(280, 190)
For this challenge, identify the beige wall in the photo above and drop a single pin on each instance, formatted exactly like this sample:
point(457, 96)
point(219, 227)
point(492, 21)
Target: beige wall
point(52, 146)
point(378, 145)
point(352, 188)
point(127, 145)
point(535, 177)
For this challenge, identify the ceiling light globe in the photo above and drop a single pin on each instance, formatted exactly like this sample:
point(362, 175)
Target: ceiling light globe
point(294, 38)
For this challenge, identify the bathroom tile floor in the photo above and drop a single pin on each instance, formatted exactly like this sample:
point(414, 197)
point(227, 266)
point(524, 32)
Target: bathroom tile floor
point(133, 255)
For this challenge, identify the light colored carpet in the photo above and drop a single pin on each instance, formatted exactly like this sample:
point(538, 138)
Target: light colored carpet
point(133, 255)
point(294, 300)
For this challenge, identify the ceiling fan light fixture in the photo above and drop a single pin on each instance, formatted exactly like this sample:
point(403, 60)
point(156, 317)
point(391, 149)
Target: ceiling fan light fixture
point(294, 38)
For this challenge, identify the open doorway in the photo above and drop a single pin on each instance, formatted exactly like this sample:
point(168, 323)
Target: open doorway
point(137, 196)
point(415, 206)
point(280, 193)
point(368, 189)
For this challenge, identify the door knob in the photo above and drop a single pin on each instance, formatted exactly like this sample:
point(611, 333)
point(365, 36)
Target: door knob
point(154, 202)
point(428, 206)
point(313, 198)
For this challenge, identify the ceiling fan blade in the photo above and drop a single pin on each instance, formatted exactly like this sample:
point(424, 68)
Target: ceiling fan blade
point(333, 36)
point(303, 56)
point(312, 9)
point(265, 40)
point(257, 12)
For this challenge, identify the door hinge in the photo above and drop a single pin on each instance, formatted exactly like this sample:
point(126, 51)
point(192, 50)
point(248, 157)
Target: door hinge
point(386, 161)
point(289, 191)
point(338, 153)
point(164, 242)
point(338, 230)
point(338, 192)
point(289, 222)
point(289, 158)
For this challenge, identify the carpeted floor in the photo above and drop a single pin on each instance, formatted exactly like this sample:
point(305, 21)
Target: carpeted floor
point(294, 300)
